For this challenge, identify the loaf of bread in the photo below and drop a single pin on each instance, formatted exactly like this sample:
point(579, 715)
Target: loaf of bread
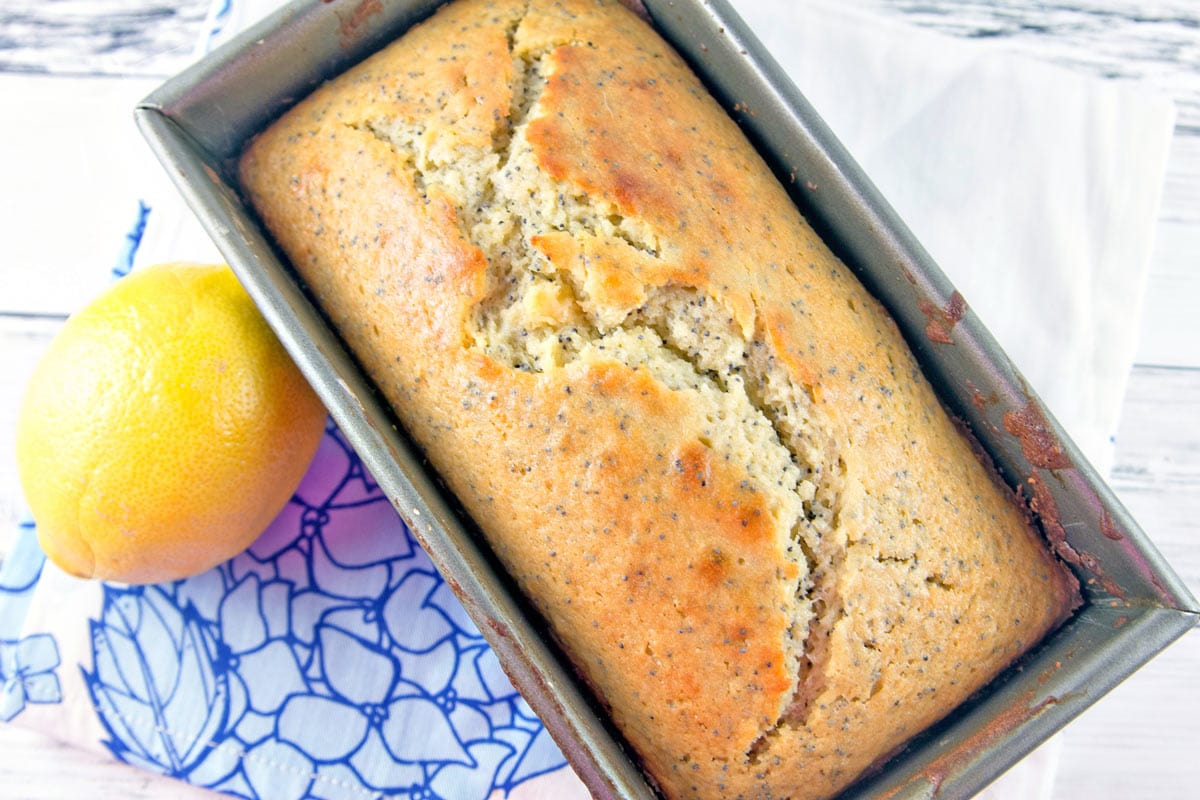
point(700, 447)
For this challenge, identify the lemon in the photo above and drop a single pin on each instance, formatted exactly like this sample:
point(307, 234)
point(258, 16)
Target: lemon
point(163, 429)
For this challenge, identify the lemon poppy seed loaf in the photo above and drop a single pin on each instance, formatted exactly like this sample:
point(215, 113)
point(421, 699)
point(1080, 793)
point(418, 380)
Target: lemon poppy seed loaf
point(700, 447)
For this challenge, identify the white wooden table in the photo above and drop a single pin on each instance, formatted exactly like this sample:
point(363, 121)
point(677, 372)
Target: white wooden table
point(59, 59)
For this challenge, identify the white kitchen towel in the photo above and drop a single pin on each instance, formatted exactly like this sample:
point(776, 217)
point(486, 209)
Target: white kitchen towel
point(1035, 188)
point(330, 661)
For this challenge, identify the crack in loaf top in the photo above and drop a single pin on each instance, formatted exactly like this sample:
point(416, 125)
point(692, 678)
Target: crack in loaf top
point(697, 443)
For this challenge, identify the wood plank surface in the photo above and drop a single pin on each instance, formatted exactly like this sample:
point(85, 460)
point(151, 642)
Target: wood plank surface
point(100, 37)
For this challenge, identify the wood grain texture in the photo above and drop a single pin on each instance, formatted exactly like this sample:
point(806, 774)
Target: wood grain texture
point(99, 37)
point(1157, 474)
point(1156, 43)
point(1140, 741)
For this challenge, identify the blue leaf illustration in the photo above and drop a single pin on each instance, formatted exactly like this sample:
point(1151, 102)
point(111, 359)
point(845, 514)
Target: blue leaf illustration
point(253, 727)
point(356, 670)
point(357, 621)
point(243, 626)
point(154, 681)
point(345, 544)
point(271, 674)
point(379, 770)
point(274, 599)
point(432, 670)
point(133, 240)
point(417, 730)
point(501, 715)
point(306, 721)
point(468, 682)
point(341, 581)
point(307, 610)
point(239, 698)
point(474, 781)
point(358, 485)
point(469, 723)
point(412, 622)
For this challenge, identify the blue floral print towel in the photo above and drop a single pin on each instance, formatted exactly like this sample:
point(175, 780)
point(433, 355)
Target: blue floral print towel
point(330, 660)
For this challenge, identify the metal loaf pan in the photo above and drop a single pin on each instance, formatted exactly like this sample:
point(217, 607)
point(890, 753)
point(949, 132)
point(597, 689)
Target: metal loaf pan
point(198, 121)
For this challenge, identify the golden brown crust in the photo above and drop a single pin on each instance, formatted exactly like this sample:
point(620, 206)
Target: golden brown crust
point(746, 648)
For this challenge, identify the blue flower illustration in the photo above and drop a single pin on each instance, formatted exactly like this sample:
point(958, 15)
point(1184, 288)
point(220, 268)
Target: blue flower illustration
point(27, 673)
point(330, 660)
